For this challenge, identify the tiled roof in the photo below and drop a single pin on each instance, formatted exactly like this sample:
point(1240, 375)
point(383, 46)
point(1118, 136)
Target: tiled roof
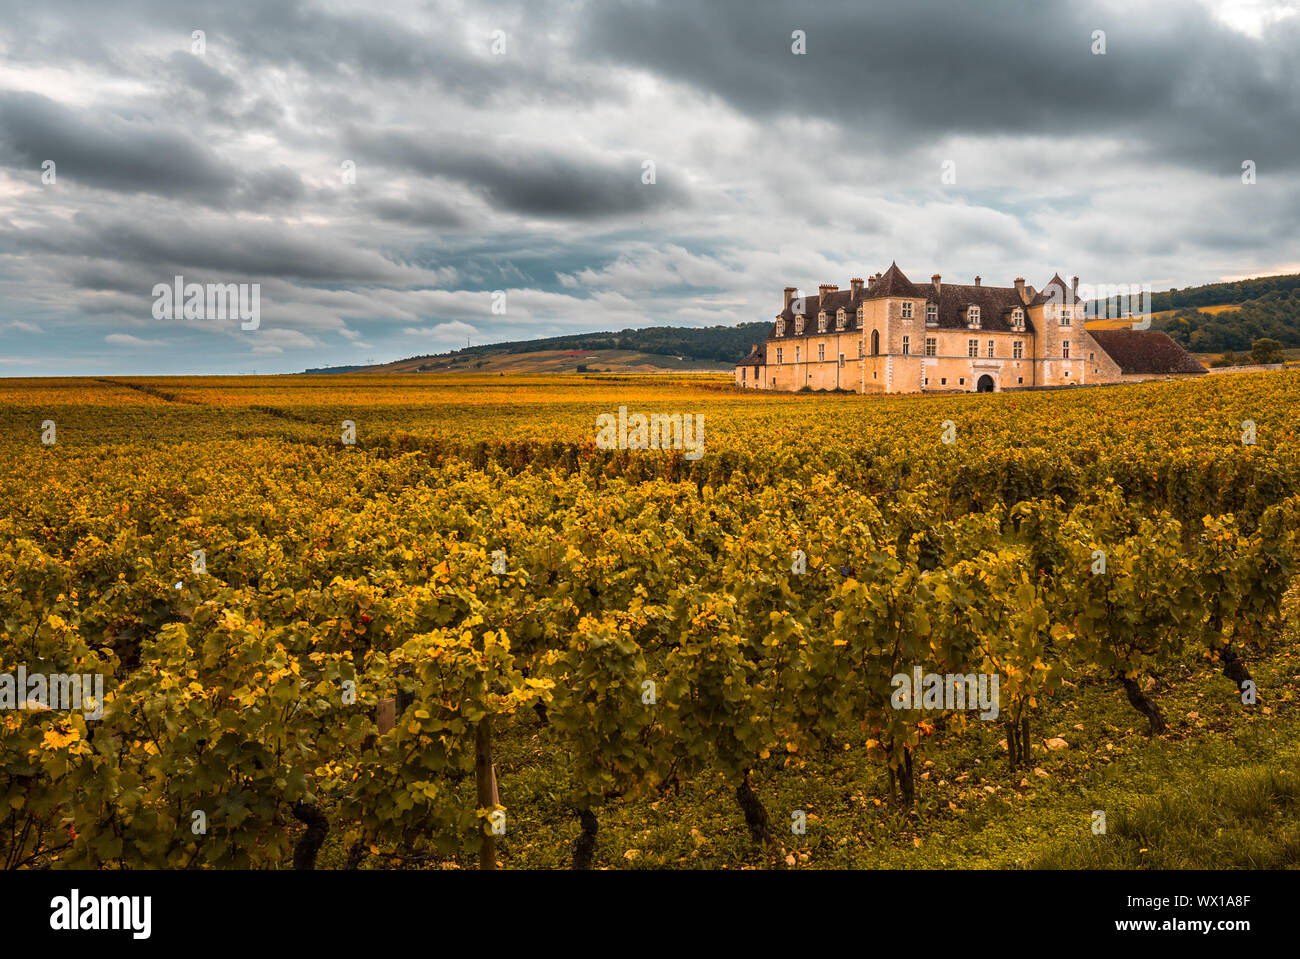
point(893, 283)
point(1145, 351)
point(1055, 290)
point(953, 301)
point(995, 303)
point(757, 357)
point(831, 303)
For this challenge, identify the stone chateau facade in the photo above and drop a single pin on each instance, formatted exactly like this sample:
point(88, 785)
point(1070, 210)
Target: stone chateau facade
point(889, 335)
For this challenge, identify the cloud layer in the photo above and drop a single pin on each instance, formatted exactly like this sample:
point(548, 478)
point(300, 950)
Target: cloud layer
point(380, 172)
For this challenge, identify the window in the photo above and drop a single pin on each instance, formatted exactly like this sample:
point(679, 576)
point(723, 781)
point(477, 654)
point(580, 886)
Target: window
point(973, 317)
point(1065, 349)
point(972, 347)
point(821, 352)
point(962, 381)
point(798, 325)
point(990, 347)
point(1018, 318)
point(821, 322)
point(875, 342)
point(1091, 357)
point(778, 355)
point(1020, 379)
point(907, 309)
point(1017, 349)
point(1065, 317)
point(839, 319)
point(931, 314)
point(780, 327)
point(743, 370)
point(906, 348)
point(841, 359)
point(861, 313)
point(943, 381)
point(796, 354)
point(931, 346)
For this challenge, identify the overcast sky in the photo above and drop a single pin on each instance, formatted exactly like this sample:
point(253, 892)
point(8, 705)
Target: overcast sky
point(523, 169)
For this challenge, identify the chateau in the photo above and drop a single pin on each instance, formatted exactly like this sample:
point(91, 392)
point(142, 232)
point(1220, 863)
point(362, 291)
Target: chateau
point(890, 335)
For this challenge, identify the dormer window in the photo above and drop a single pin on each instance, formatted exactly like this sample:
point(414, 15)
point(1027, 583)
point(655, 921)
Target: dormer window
point(821, 322)
point(931, 314)
point(839, 319)
point(798, 325)
point(780, 327)
point(862, 312)
point(973, 317)
point(1018, 318)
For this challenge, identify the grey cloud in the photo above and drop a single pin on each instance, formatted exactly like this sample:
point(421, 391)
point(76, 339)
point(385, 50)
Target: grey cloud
point(422, 211)
point(529, 178)
point(278, 186)
point(896, 76)
point(478, 172)
point(107, 151)
point(131, 155)
point(196, 88)
point(198, 74)
point(346, 47)
point(220, 248)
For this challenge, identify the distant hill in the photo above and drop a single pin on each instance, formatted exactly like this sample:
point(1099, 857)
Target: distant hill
point(1225, 316)
point(655, 348)
point(1213, 294)
point(553, 361)
point(334, 369)
point(1274, 315)
point(1158, 318)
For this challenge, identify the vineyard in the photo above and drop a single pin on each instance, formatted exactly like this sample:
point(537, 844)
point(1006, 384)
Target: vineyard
point(365, 622)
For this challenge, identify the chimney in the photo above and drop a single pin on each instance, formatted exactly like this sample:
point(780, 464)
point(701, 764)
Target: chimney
point(977, 281)
point(826, 288)
point(1020, 289)
point(790, 291)
point(934, 282)
point(1074, 285)
point(871, 281)
point(855, 285)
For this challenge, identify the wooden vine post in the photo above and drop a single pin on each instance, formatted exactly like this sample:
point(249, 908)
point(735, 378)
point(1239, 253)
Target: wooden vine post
point(485, 777)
